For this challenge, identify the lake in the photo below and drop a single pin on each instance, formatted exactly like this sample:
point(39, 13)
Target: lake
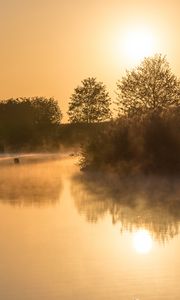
point(68, 236)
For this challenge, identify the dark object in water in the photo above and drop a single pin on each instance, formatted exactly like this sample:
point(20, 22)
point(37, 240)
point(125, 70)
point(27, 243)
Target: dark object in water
point(71, 154)
point(16, 160)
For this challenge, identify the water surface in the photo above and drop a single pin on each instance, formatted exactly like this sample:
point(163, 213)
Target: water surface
point(66, 237)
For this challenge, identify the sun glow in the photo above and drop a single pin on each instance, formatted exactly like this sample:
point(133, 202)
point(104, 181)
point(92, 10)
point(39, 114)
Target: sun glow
point(138, 43)
point(142, 241)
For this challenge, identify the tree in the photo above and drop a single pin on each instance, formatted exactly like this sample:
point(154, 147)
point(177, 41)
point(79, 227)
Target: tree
point(26, 120)
point(47, 112)
point(148, 88)
point(89, 103)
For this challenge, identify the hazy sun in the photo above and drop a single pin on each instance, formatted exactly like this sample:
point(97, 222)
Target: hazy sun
point(138, 43)
point(142, 241)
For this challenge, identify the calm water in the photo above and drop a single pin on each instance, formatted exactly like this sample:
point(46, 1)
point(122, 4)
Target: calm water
point(66, 237)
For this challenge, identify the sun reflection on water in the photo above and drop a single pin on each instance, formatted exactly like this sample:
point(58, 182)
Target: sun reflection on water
point(142, 241)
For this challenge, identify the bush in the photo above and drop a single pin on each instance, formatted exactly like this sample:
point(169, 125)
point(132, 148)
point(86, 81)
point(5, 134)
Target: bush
point(149, 145)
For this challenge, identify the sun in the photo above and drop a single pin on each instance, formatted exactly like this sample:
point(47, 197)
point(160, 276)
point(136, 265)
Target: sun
point(142, 241)
point(138, 43)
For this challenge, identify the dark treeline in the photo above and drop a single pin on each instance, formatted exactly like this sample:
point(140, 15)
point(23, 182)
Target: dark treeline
point(34, 124)
point(149, 145)
point(145, 136)
point(77, 135)
point(28, 123)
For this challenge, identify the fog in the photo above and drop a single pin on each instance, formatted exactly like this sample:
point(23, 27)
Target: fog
point(150, 202)
point(35, 180)
point(133, 202)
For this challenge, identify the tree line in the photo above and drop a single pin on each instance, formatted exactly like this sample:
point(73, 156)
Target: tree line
point(145, 137)
point(146, 129)
point(28, 122)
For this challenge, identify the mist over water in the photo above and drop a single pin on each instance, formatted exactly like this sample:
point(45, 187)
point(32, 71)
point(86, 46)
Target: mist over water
point(68, 235)
point(134, 202)
point(36, 180)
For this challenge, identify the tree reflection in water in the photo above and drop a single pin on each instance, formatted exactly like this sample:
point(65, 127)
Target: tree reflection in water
point(152, 203)
point(33, 182)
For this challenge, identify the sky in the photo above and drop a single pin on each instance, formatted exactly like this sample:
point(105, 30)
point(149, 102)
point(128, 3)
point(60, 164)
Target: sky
point(49, 46)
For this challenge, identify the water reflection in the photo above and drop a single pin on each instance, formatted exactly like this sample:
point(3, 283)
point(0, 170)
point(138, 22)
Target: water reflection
point(149, 204)
point(35, 181)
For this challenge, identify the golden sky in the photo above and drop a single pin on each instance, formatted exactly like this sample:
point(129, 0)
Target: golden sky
point(49, 46)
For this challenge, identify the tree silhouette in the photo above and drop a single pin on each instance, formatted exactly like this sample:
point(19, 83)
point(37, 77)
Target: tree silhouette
point(47, 112)
point(148, 88)
point(89, 103)
point(28, 120)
